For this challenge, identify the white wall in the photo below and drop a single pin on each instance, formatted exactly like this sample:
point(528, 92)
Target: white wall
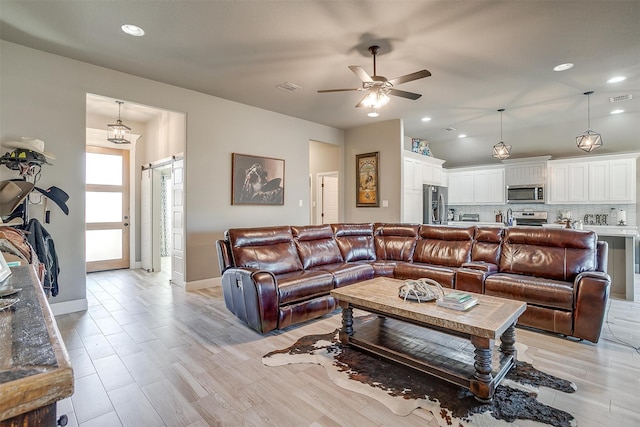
point(44, 96)
point(387, 138)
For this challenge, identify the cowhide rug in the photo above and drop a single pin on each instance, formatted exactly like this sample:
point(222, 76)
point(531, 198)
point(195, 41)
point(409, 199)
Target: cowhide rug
point(402, 389)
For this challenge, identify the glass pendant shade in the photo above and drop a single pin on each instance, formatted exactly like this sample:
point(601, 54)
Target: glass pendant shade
point(589, 140)
point(501, 150)
point(375, 99)
point(119, 133)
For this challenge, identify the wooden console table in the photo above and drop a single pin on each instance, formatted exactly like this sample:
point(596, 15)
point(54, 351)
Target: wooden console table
point(35, 371)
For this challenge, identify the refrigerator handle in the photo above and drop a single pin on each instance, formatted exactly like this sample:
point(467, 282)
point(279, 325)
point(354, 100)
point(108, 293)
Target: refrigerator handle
point(441, 208)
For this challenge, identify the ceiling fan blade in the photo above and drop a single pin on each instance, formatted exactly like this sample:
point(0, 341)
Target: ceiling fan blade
point(339, 90)
point(410, 77)
point(362, 75)
point(361, 103)
point(404, 94)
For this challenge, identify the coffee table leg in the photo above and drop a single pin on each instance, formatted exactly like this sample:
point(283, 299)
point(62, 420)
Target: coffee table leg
point(508, 340)
point(347, 323)
point(482, 386)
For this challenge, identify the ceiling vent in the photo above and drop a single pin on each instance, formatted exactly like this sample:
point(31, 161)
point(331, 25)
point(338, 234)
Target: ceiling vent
point(620, 98)
point(289, 87)
point(449, 129)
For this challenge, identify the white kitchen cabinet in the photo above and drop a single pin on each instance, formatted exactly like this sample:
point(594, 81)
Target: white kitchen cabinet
point(476, 186)
point(417, 171)
point(412, 206)
point(622, 181)
point(604, 180)
point(532, 170)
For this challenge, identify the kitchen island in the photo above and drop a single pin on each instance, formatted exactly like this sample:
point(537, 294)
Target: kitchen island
point(621, 258)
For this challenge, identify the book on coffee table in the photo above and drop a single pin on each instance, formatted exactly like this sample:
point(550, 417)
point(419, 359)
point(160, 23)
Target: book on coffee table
point(457, 302)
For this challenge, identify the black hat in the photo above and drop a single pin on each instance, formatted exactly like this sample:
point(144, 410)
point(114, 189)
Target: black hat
point(58, 196)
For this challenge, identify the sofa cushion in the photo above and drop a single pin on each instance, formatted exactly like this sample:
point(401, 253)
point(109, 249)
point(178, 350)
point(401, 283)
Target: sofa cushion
point(411, 270)
point(395, 241)
point(558, 254)
point(442, 245)
point(487, 245)
point(316, 245)
point(346, 274)
point(355, 241)
point(532, 290)
point(268, 248)
point(302, 285)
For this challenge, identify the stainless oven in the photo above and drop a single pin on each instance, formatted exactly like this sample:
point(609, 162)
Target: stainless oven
point(525, 193)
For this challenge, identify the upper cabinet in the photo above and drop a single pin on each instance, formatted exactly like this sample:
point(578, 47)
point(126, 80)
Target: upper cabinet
point(476, 186)
point(532, 170)
point(606, 179)
point(419, 170)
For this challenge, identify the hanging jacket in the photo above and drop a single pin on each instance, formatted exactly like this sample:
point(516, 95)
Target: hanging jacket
point(42, 243)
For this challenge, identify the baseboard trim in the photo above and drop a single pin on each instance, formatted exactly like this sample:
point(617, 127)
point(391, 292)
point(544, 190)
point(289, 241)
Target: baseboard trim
point(202, 284)
point(66, 307)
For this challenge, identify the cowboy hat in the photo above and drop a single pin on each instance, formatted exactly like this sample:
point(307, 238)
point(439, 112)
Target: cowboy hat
point(32, 144)
point(58, 196)
point(12, 193)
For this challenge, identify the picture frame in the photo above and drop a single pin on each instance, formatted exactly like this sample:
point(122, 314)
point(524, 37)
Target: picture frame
point(367, 184)
point(256, 180)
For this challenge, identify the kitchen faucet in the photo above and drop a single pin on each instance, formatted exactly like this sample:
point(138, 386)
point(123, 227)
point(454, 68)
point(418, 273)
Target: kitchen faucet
point(509, 217)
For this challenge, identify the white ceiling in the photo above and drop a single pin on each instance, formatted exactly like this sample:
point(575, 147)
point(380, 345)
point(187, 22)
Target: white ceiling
point(483, 56)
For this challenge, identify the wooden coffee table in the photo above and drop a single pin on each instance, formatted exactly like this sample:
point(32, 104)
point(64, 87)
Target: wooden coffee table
point(457, 346)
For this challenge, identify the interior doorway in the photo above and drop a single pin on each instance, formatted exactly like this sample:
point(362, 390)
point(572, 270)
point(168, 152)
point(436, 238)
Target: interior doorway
point(327, 202)
point(325, 188)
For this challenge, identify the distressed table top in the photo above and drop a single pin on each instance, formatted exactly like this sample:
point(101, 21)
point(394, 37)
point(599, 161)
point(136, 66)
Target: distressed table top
point(34, 365)
point(488, 319)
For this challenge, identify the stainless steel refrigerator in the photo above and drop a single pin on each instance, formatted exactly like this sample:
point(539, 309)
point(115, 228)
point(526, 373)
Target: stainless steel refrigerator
point(435, 204)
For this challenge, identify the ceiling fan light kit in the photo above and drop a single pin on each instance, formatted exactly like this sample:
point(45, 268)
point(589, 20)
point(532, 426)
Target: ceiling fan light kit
point(501, 150)
point(379, 87)
point(589, 140)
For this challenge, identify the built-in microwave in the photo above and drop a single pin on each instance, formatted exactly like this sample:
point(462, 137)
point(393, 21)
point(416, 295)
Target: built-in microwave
point(525, 193)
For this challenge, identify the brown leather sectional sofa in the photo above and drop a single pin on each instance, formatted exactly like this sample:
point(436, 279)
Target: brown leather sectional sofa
point(274, 277)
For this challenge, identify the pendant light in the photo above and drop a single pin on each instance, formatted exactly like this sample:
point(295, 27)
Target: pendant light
point(501, 150)
point(589, 140)
point(119, 133)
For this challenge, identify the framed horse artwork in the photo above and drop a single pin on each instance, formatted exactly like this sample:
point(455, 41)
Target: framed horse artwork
point(256, 180)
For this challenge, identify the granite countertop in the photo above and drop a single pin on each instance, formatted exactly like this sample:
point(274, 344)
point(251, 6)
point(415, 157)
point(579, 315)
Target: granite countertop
point(605, 230)
point(478, 223)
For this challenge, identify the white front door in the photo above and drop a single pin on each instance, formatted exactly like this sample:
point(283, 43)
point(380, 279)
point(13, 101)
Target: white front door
point(106, 209)
point(177, 222)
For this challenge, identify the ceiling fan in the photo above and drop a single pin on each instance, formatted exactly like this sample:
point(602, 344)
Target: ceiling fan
point(379, 88)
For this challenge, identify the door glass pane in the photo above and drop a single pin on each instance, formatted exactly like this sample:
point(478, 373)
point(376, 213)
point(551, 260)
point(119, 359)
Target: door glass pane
point(105, 169)
point(104, 245)
point(103, 207)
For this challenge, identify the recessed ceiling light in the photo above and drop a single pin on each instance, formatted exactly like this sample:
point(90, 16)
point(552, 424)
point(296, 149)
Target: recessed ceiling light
point(133, 30)
point(563, 67)
point(616, 79)
point(462, 135)
point(426, 119)
point(617, 111)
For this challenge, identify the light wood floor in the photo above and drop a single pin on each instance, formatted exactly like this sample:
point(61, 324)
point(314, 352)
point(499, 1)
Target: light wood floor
point(148, 354)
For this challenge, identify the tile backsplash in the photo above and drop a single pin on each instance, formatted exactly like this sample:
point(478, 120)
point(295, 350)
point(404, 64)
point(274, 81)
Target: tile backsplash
point(488, 212)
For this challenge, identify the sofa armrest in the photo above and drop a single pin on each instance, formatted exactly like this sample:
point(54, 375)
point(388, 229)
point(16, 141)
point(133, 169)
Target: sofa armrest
point(471, 278)
point(482, 266)
point(591, 294)
point(224, 255)
point(252, 295)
